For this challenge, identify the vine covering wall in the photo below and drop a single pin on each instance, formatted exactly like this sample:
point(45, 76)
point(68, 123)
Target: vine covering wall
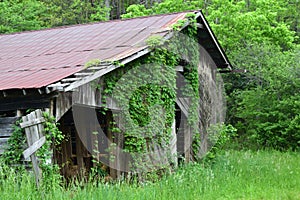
point(146, 91)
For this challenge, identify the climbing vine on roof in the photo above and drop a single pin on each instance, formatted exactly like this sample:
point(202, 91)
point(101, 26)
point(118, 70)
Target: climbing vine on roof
point(146, 90)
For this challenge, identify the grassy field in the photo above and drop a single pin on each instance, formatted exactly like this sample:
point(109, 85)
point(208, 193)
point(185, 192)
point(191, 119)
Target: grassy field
point(233, 175)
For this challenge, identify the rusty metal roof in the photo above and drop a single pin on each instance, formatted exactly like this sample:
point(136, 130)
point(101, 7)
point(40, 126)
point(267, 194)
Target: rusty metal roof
point(38, 58)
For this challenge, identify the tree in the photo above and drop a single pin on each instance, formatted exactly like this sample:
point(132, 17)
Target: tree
point(264, 102)
point(66, 12)
point(22, 15)
point(238, 22)
point(266, 108)
point(167, 6)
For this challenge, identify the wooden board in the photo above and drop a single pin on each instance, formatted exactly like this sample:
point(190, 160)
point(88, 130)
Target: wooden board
point(6, 132)
point(34, 147)
point(34, 131)
point(7, 120)
point(3, 142)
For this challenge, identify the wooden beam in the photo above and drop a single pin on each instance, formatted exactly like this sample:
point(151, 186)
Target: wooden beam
point(32, 135)
point(32, 104)
point(106, 69)
point(32, 122)
point(40, 91)
point(58, 84)
point(19, 113)
point(183, 105)
point(71, 79)
point(90, 78)
point(97, 67)
point(83, 74)
point(179, 68)
point(34, 147)
point(199, 25)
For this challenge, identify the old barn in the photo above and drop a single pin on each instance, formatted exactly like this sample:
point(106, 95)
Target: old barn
point(62, 70)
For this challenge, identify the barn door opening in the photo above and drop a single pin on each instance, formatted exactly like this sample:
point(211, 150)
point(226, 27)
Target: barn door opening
point(88, 133)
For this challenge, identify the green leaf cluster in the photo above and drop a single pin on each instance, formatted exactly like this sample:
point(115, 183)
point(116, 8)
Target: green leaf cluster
point(15, 146)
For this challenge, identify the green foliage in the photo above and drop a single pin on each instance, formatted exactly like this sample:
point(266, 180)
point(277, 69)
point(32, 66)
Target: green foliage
point(220, 135)
point(146, 99)
point(135, 10)
point(22, 15)
point(234, 22)
point(166, 6)
point(92, 63)
point(76, 11)
point(54, 137)
point(234, 175)
point(261, 37)
point(16, 143)
point(154, 41)
point(25, 15)
point(266, 106)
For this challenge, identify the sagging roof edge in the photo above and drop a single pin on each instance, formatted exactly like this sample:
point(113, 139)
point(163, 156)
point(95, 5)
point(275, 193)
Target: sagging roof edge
point(137, 55)
point(146, 50)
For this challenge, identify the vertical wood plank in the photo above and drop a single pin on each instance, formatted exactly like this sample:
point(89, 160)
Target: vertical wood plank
point(187, 142)
point(31, 138)
point(79, 154)
point(112, 170)
point(173, 144)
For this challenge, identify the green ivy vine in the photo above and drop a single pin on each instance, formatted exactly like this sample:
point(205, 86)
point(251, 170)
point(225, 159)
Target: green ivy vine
point(12, 156)
point(16, 144)
point(164, 58)
point(54, 137)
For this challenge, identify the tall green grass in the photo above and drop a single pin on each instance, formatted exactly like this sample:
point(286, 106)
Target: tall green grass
point(233, 175)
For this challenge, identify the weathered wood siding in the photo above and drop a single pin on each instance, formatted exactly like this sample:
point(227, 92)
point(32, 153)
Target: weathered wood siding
point(6, 129)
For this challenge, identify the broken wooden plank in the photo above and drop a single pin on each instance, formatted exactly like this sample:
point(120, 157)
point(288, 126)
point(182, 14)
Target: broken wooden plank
point(32, 135)
point(84, 74)
point(106, 69)
point(183, 104)
point(8, 120)
point(32, 122)
point(90, 78)
point(179, 68)
point(71, 79)
point(6, 132)
point(34, 147)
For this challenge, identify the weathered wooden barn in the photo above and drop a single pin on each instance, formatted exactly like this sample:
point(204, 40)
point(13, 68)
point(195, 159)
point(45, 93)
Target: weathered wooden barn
point(47, 69)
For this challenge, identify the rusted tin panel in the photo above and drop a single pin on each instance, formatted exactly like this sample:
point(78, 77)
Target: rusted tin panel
point(38, 58)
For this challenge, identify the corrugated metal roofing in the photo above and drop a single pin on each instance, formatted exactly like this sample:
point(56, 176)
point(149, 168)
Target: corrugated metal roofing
point(38, 58)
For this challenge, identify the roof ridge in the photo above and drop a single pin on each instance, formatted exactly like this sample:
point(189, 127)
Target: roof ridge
point(93, 23)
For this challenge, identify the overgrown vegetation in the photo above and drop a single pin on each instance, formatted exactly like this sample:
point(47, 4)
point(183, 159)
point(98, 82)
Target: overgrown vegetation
point(234, 175)
point(16, 145)
point(13, 155)
point(261, 37)
point(54, 137)
point(145, 89)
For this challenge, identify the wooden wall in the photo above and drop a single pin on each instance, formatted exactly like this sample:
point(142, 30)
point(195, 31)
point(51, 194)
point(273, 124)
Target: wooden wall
point(6, 129)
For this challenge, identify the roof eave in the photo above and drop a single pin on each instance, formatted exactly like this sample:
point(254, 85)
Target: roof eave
point(225, 61)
